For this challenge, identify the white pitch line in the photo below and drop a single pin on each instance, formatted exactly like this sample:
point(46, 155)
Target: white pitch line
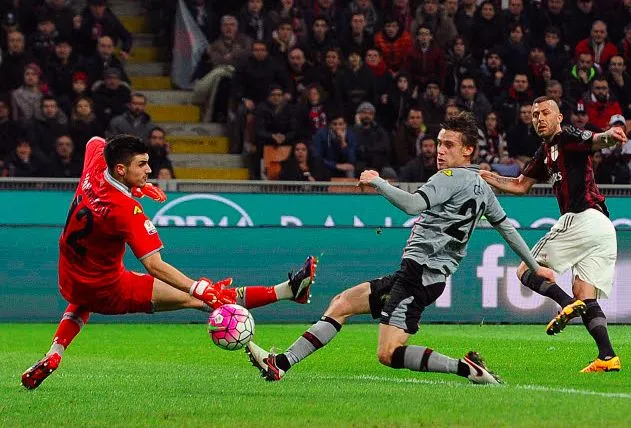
point(462, 384)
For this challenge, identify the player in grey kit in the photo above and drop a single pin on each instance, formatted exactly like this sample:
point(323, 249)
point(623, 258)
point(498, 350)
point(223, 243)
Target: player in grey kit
point(451, 203)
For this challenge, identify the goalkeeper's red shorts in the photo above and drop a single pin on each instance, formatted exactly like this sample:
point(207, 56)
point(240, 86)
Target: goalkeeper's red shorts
point(130, 294)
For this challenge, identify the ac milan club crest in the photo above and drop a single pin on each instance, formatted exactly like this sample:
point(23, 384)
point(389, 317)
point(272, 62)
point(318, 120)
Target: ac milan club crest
point(554, 153)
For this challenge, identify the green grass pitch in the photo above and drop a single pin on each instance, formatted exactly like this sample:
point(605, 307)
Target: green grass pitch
point(157, 374)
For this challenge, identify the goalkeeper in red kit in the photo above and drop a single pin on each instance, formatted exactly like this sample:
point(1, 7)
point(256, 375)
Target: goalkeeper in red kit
point(103, 217)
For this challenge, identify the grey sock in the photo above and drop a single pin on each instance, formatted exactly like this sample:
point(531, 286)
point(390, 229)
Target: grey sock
point(318, 335)
point(422, 359)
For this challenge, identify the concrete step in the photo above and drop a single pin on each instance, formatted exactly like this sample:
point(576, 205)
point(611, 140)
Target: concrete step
point(188, 144)
point(143, 55)
point(167, 97)
point(150, 82)
point(128, 8)
point(212, 173)
point(190, 160)
point(143, 40)
point(148, 69)
point(173, 112)
point(134, 23)
point(194, 129)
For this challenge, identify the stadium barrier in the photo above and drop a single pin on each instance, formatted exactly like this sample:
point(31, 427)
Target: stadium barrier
point(257, 238)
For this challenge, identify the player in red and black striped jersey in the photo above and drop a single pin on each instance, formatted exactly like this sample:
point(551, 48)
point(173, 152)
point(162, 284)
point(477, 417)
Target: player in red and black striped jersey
point(583, 238)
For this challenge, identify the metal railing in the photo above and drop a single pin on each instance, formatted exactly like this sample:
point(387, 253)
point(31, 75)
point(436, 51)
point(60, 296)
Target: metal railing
point(253, 186)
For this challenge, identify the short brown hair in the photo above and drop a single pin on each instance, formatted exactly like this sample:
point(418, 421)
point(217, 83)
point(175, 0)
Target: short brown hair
point(465, 124)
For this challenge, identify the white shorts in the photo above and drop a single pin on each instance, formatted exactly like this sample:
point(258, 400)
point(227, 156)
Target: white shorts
point(585, 242)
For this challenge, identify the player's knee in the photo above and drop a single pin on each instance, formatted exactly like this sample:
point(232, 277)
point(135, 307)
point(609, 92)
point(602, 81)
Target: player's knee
point(384, 355)
point(340, 306)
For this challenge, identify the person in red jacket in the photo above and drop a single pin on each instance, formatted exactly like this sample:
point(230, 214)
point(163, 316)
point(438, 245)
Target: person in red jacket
point(427, 60)
point(601, 105)
point(598, 45)
point(395, 44)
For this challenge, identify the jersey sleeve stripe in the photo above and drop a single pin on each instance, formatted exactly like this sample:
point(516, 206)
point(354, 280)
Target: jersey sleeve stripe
point(495, 223)
point(150, 253)
point(420, 192)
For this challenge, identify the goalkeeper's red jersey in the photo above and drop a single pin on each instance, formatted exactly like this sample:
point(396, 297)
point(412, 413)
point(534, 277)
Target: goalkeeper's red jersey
point(103, 217)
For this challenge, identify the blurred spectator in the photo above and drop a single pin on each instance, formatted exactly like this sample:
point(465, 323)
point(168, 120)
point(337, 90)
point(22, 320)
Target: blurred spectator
point(42, 41)
point(492, 152)
point(423, 166)
point(554, 90)
point(602, 174)
point(407, 141)
point(165, 173)
point(493, 79)
point(135, 121)
point(375, 63)
point(301, 74)
point(450, 8)
point(433, 103)
point(357, 84)
point(396, 103)
point(472, 100)
point(359, 39)
point(159, 153)
point(402, 12)
point(516, 15)
point(582, 15)
point(110, 96)
point(59, 72)
point(13, 63)
point(311, 112)
point(319, 41)
point(509, 105)
point(515, 50)
point(336, 145)
point(487, 30)
point(10, 131)
point(8, 25)
point(23, 161)
point(328, 10)
point(557, 53)
point(62, 15)
point(624, 46)
point(205, 17)
point(274, 122)
point(373, 143)
point(25, 100)
point(330, 76)
point(460, 64)
point(64, 163)
point(104, 58)
point(601, 105)
point(24, 13)
point(465, 18)
point(618, 19)
point(301, 166)
point(84, 124)
point(283, 40)
point(231, 47)
point(580, 119)
point(620, 83)
point(395, 44)
point(522, 140)
point(539, 72)
point(48, 123)
point(427, 61)
point(429, 15)
point(80, 86)
point(254, 22)
point(613, 158)
point(367, 9)
point(288, 9)
point(580, 77)
point(597, 44)
point(546, 14)
point(97, 21)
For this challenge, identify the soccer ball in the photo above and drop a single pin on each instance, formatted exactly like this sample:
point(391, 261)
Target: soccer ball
point(231, 327)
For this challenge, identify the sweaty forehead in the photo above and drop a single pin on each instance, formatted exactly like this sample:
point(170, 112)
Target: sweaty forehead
point(448, 135)
point(546, 105)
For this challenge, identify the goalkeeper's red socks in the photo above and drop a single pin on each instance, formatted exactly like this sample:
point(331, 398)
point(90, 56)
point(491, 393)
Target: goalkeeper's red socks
point(72, 322)
point(255, 296)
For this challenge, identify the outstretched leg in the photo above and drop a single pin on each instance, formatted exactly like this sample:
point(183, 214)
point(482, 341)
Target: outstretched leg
point(350, 302)
point(72, 321)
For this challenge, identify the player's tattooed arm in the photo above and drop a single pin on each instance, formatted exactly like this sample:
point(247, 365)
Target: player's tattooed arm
point(518, 186)
point(609, 138)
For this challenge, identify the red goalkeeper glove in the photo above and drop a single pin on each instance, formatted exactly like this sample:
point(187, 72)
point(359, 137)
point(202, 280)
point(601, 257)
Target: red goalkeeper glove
point(151, 191)
point(214, 295)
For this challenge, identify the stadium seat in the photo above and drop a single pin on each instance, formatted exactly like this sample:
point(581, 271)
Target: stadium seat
point(273, 156)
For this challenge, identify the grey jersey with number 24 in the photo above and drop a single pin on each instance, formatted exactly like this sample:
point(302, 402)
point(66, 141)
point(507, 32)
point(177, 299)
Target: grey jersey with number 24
point(456, 198)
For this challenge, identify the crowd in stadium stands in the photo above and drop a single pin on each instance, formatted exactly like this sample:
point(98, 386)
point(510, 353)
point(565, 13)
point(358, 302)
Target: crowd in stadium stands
point(342, 85)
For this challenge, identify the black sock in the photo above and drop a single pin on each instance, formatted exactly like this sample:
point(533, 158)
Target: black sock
point(549, 289)
point(596, 324)
point(282, 362)
point(463, 369)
